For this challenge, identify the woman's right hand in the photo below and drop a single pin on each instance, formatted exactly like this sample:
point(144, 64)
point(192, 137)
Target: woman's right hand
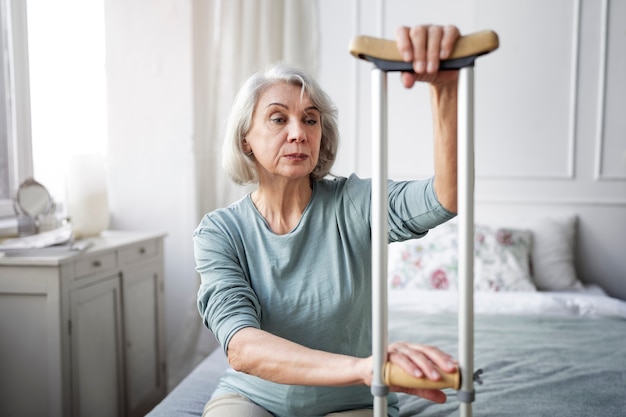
point(421, 361)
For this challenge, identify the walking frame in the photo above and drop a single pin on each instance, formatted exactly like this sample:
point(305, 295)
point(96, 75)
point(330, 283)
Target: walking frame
point(385, 56)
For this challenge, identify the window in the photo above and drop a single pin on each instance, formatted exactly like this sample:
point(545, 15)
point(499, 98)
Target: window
point(66, 50)
point(15, 129)
point(52, 92)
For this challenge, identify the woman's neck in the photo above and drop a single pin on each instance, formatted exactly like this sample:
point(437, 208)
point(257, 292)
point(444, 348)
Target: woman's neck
point(282, 205)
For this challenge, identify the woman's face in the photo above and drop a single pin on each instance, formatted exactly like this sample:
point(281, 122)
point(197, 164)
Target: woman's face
point(285, 134)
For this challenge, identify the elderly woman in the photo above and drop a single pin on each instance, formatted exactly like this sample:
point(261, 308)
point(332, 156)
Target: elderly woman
point(285, 271)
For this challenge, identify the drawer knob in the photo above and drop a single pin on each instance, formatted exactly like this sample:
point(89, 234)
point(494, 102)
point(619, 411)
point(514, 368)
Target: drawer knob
point(96, 264)
point(142, 250)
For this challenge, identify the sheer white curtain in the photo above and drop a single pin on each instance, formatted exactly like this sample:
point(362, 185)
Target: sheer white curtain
point(237, 38)
point(232, 39)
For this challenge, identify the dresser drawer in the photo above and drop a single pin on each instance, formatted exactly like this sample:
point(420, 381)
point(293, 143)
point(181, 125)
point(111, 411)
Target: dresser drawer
point(104, 262)
point(138, 252)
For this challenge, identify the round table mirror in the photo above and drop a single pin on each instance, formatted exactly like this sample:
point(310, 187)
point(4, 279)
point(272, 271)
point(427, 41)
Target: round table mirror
point(33, 198)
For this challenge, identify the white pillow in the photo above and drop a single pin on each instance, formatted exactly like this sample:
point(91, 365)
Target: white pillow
point(554, 236)
point(552, 259)
point(501, 261)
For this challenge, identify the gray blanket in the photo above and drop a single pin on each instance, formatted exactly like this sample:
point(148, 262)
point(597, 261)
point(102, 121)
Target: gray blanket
point(533, 366)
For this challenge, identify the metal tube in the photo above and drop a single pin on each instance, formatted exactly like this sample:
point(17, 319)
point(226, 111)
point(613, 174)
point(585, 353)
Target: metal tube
point(466, 236)
point(379, 239)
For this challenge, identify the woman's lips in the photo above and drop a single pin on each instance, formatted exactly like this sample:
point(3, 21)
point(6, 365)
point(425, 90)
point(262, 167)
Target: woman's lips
point(297, 156)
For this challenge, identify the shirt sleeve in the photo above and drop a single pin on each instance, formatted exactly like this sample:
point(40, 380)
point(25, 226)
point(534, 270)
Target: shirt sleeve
point(414, 209)
point(226, 300)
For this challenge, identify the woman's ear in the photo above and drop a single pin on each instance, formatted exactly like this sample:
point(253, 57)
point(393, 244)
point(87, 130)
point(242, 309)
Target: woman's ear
point(245, 146)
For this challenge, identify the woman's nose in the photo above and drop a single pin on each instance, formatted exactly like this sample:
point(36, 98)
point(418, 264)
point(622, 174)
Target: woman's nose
point(297, 133)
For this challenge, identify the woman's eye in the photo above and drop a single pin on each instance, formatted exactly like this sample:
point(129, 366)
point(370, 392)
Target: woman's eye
point(311, 121)
point(277, 119)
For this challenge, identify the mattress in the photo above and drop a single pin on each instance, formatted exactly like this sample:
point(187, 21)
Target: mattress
point(542, 354)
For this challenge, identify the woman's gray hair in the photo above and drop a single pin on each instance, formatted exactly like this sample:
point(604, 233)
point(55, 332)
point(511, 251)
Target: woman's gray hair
point(241, 167)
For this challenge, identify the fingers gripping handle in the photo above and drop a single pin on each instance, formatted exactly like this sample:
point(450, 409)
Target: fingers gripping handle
point(396, 376)
point(384, 53)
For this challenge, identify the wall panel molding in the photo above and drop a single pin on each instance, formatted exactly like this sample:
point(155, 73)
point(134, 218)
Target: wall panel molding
point(599, 148)
point(355, 97)
point(569, 172)
point(600, 137)
point(574, 93)
point(606, 202)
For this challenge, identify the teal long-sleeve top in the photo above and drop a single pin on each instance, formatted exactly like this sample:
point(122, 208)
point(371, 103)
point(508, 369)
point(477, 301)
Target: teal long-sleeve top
point(311, 286)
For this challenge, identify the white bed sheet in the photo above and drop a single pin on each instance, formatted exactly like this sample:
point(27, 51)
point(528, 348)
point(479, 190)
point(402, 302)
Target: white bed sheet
point(590, 302)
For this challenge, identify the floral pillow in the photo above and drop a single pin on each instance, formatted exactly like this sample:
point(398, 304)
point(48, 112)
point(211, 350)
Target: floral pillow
point(501, 260)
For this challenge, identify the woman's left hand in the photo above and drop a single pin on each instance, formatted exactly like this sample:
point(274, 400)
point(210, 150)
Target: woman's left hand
point(421, 361)
point(425, 46)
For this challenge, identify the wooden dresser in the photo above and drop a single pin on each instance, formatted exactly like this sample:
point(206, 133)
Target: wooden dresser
point(82, 332)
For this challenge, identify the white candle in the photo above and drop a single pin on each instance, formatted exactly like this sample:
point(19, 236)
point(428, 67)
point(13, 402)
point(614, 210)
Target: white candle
point(87, 197)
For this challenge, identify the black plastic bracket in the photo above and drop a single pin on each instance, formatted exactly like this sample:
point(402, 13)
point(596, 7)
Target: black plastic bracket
point(380, 390)
point(470, 396)
point(447, 65)
point(466, 396)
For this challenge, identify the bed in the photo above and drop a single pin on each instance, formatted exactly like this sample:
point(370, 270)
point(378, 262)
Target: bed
point(547, 343)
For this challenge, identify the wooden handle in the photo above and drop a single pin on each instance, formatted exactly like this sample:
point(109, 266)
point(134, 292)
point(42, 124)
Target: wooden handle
point(474, 44)
point(395, 376)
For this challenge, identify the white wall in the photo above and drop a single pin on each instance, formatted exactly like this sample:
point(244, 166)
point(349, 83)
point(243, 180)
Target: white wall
point(150, 152)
